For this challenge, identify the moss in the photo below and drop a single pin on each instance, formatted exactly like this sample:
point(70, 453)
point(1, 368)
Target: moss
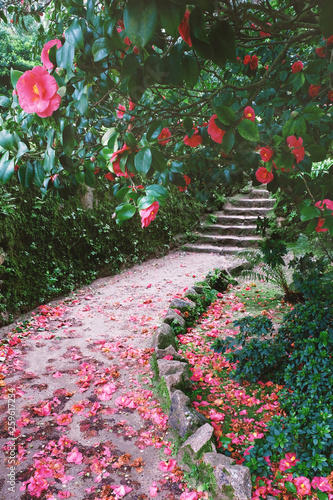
point(201, 474)
point(154, 365)
point(163, 393)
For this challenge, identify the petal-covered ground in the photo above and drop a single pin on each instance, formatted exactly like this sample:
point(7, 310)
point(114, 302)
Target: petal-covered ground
point(78, 416)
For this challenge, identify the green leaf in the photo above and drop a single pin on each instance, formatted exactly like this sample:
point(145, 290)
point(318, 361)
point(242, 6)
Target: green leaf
point(68, 139)
point(123, 161)
point(124, 212)
point(143, 161)
point(320, 494)
point(191, 69)
point(5, 102)
point(317, 153)
point(160, 193)
point(154, 130)
point(110, 135)
point(130, 140)
point(9, 141)
point(74, 35)
point(90, 178)
point(315, 67)
point(123, 193)
point(140, 19)
point(130, 65)
point(7, 168)
point(248, 130)
point(170, 17)
point(326, 18)
point(290, 487)
point(65, 57)
point(101, 49)
point(310, 212)
point(26, 174)
point(188, 124)
point(228, 141)
point(313, 112)
point(39, 174)
point(145, 202)
point(298, 80)
point(226, 115)
point(14, 76)
point(49, 158)
point(197, 25)
point(330, 67)
point(82, 105)
point(222, 39)
point(159, 162)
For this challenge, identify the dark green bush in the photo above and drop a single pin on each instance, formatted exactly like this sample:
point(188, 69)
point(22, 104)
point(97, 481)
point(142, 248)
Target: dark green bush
point(52, 246)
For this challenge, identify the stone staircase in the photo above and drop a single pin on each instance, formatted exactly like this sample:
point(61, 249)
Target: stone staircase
point(235, 227)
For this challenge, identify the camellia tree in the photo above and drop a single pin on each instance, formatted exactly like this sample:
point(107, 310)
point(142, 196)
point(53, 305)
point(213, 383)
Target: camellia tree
point(150, 93)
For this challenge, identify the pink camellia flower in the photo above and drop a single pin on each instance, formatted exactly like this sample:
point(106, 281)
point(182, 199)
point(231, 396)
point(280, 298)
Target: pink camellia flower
point(121, 111)
point(74, 456)
point(164, 137)
point(247, 60)
point(167, 466)
point(115, 160)
point(321, 221)
point(153, 489)
point(37, 92)
point(121, 490)
point(149, 214)
point(303, 485)
point(254, 62)
point(314, 90)
point(64, 419)
point(184, 29)
point(214, 131)
point(321, 483)
point(296, 146)
point(64, 494)
point(189, 495)
point(249, 113)
point(264, 176)
point(266, 154)
point(132, 105)
point(45, 53)
point(297, 67)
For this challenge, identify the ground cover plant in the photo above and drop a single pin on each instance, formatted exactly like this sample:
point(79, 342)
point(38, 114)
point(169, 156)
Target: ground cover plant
point(265, 386)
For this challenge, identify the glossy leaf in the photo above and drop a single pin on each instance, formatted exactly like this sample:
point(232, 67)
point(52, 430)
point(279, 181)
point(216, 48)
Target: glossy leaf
point(226, 115)
point(326, 18)
point(170, 17)
point(143, 161)
point(124, 212)
point(26, 174)
point(68, 139)
point(101, 49)
point(140, 19)
point(74, 35)
point(228, 141)
point(309, 212)
point(154, 130)
point(159, 162)
point(249, 130)
point(14, 76)
point(7, 168)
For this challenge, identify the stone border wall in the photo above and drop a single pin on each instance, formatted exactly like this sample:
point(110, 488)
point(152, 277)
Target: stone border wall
point(173, 376)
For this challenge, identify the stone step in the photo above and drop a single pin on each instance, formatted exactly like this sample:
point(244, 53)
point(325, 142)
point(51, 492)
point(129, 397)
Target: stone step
point(229, 241)
point(235, 220)
point(248, 202)
point(204, 248)
point(229, 229)
point(258, 211)
point(258, 193)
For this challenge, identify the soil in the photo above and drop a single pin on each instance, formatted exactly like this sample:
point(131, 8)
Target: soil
point(92, 350)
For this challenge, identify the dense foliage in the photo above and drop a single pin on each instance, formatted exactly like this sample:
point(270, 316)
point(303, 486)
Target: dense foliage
point(161, 93)
point(50, 249)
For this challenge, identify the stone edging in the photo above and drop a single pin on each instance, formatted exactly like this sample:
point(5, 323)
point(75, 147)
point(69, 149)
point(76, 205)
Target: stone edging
point(173, 376)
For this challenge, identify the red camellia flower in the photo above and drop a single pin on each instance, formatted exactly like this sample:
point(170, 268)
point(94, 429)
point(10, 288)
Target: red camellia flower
point(254, 62)
point(330, 95)
point(249, 113)
point(214, 131)
point(195, 140)
point(247, 60)
point(184, 29)
point(329, 40)
point(322, 204)
point(164, 136)
point(115, 160)
point(296, 146)
point(264, 176)
point(297, 67)
point(188, 181)
point(320, 51)
point(314, 90)
point(37, 92)
point(132, 105)
point(266, 154)
point(149, 214)
point(263, 33)
point(121, 111)
point(45, 53)
point(109, 176)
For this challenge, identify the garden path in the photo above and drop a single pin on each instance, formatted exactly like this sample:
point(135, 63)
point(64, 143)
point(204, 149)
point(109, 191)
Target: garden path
point(80, 369)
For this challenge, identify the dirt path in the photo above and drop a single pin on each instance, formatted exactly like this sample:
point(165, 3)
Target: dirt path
point(76, 385)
